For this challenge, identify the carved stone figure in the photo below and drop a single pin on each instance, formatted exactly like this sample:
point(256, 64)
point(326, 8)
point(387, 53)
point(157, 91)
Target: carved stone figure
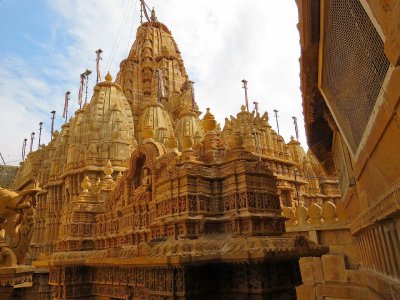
point(16, 224)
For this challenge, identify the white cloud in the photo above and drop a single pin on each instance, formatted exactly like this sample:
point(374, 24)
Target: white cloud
point(221, 42)
point(22, 107)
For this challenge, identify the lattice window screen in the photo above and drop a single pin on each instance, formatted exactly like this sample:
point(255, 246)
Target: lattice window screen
point(354, 66)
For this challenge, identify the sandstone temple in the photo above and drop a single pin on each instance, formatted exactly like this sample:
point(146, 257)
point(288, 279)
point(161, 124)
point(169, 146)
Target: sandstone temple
point(141, 195)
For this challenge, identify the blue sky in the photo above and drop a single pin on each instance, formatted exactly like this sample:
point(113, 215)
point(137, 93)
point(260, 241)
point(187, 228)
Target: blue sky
point(31, 43)
point(46, 45)
point(25, 33)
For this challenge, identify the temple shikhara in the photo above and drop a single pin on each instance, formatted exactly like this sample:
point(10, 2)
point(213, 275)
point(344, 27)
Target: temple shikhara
point(141, 195)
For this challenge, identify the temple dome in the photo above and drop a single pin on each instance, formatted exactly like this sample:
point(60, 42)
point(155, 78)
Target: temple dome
point(189, 125)
point(102, 129)
point(156, 118)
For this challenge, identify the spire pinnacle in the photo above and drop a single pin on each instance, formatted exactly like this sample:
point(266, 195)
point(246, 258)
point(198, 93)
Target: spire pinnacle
point(108, 77)
point(153, 17)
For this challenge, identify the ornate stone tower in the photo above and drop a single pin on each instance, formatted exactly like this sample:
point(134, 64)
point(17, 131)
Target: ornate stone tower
point(143, 200)
point(155, 49)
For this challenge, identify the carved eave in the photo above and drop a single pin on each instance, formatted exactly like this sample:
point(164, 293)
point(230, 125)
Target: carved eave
point(157, 25)
point(16, 277)
point(319, 135)
point(186, 252)
point(109, 84)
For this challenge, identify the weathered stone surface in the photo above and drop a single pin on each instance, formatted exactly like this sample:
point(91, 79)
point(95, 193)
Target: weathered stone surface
point(305, 292)
point(368, 173)
point(334, 268)
point(311, 270)
point(342, 292)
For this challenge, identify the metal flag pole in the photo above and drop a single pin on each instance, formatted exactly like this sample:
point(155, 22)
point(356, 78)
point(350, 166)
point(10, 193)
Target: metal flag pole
point(24, 149)
point(276, 118)
point(245, 93)
point(80, 93)
point(141, 13)
point(66, 100)
point(40, 133)
point(52, 123)
point(143, 9)
point(296, 128)
point(256, 106)
point(98, 58)
point(32, 138)
point(87, 73)
point(2, 159)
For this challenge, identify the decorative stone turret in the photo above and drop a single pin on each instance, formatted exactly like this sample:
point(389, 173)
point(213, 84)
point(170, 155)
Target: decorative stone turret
point(107, 181)
point(172, 143)
point(187, 142)
point(154, 48)
point(78, 221)
point(155, 118)
point(188, 125)
point(86, 184)
point(209, 123)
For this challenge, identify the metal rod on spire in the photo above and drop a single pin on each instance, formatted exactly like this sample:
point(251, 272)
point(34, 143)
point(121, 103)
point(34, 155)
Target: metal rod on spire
point(80, 93)
point(141, 13)
point(40, 133)
point(143, 6)
point(32, 138)
point(192, 92)
point(52, 123)
point(276, 118)
point(87, 73)
point(256, 106)
point(65, 113)
point(24, 149)
point(98, 58)
point(2, 159)
point(245, 93)
point(296, 128)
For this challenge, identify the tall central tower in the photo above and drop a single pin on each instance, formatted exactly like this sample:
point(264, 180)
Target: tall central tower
point(155, 50)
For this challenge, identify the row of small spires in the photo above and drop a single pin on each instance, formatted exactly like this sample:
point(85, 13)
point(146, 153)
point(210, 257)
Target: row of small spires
point(172, 144)
point(206, 117)
point(85, 77)
point(84, 81)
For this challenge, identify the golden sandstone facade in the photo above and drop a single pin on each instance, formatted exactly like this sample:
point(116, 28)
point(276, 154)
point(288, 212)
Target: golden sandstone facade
point(350, 81)
point(142, 199)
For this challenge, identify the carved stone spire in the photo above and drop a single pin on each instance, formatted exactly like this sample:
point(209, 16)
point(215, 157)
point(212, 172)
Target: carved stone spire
point(154, 48)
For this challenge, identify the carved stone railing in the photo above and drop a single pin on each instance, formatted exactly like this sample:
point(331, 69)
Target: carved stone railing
point(315, 215)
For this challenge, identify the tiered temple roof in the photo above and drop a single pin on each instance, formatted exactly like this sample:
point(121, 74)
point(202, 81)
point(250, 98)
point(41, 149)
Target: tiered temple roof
point(136, 177)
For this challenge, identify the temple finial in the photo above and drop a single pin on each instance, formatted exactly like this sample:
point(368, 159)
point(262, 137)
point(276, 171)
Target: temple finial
point(153, 17)
point(108, 77)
